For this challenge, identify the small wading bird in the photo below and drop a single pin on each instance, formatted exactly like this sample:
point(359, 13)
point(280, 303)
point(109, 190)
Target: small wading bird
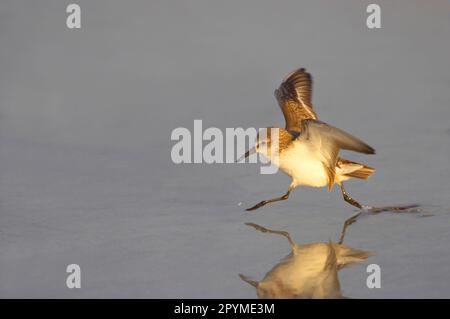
point(308, 149)
point(309, 271)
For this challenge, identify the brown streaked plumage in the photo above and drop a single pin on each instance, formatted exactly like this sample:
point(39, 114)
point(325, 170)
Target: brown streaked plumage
point(294, 99)
point(308, 149)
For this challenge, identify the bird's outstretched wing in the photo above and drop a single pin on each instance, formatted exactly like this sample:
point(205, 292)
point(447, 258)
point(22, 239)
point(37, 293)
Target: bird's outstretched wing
point(328, 140)
point(294, 98)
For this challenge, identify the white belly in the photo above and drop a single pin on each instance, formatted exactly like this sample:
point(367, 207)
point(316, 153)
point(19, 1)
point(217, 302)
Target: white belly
point(303, 164)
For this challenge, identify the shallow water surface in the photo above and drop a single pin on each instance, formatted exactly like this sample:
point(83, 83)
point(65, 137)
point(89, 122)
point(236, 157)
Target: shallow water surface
point(85, 124)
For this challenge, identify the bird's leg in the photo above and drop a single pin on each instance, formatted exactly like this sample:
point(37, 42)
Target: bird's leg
point(267, 201)
point(348, 199)
point(377, 210)
point(278, 232)
point(347, 223)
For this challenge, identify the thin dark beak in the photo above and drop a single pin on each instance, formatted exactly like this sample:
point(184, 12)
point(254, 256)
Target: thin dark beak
point(247, 154)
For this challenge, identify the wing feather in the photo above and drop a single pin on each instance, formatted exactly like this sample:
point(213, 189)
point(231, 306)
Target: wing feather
point(294, 99)
point(329, 140)
point(316, 130)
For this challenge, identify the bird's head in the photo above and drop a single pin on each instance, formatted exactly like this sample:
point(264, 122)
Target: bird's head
point(263, 143)
point(269, 142)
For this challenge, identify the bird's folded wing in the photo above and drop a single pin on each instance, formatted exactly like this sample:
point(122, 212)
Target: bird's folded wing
point(328, 140)
point(294, 99)
point(330, 136)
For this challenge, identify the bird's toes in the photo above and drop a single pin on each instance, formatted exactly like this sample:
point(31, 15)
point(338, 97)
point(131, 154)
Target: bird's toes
point(256, 206)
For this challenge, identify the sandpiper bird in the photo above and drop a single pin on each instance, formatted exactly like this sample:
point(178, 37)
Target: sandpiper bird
point(308, 149)
point(309, 271)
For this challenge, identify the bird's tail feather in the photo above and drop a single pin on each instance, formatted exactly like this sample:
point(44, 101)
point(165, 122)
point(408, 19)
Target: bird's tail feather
point(355, 170)
point(362, 173)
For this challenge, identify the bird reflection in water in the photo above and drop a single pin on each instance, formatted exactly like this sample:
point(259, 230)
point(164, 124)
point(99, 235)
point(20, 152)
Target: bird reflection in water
point(309, 271)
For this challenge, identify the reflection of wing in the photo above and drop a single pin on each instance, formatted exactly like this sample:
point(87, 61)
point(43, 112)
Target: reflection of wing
point(294, 98)
point(331, 261)
point(328, 140)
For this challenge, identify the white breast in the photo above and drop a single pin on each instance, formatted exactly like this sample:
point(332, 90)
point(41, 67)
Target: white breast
point(302, 162)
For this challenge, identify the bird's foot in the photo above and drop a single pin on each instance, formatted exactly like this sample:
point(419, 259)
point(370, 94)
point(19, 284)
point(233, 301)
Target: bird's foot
point(260, 204)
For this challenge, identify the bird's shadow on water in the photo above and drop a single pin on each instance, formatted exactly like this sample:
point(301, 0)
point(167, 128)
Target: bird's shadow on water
point(416, 209)
point(412, 209)
point(402, 209)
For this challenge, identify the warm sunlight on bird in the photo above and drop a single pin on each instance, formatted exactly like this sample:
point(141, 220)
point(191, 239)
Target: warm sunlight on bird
point(307, 149)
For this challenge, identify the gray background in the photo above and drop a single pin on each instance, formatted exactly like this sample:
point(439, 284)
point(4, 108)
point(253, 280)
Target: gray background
point(85, 123)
